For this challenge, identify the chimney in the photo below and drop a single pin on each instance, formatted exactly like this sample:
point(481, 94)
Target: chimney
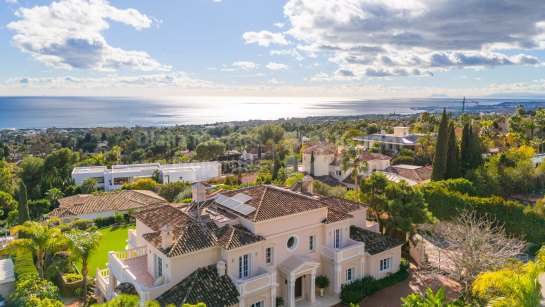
point(166, 236)
point(198, 192)
point(220, 266)
point(307, 184)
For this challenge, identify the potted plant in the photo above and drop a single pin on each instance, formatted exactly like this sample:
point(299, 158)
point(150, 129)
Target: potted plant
point(322, 282)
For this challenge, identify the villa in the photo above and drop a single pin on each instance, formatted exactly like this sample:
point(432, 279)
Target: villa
point(327, 165)
point(400, 139)
point(249, 247)
point(114, 178)
point(412, 174)
point(89, 206)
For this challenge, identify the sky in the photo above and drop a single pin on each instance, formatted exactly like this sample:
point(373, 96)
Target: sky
point(342, 48)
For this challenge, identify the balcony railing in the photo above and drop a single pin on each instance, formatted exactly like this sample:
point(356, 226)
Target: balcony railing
point(130, 266)
point(132, 240)
point(349, 250)
point(102, 278)
point(261, 280)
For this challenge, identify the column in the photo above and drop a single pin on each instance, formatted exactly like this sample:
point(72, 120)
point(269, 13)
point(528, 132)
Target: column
point(291, 291)
point(111, 286)
point(241, 302)
point(313, 286)
point(273, 296)
point(337, 278)
point(362, 265)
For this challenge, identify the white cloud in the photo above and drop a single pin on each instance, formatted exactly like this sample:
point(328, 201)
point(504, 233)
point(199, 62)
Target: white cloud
point(68, 34)
point(279, 25)
point(321, 77)
point(274, 81)
point(291, 52)
point(160, 80)
point(276, 66)
point(246, 65)
point(414, 37)
point(11, 1)
point(264, 38)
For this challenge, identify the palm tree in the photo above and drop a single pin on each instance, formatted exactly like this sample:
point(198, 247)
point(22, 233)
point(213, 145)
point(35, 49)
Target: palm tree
point(39, 240)
point(83, 245)
point(351, 162)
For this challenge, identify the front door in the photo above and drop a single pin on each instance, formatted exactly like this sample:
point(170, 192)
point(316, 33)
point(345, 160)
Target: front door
point(299, 287)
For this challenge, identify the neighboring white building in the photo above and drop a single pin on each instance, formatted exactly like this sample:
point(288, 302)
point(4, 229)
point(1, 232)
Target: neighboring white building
point(247, 247)
point(7, 277)
point(401, 138)
point(375, 162)
point(323, 156)
point(114, 178)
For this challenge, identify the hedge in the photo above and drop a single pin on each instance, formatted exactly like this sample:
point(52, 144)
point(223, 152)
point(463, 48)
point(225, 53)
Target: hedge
point(518, 220)
point(24, 265)
point(358, 290)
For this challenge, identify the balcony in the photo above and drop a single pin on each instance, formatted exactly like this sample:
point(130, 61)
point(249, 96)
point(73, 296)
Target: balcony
point(130, 266)
point(349, 250)
point(262, 280)
point(102, 278)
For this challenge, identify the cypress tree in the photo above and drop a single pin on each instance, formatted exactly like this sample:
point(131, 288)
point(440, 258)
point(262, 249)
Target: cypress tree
point(23, 204)
point(476, 158)
point(440, 156)
point(312, 164)
point(465, 151)
point(453, 157)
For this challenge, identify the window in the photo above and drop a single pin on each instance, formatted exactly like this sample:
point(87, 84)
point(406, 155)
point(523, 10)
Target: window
point(350, 274)
point(158, 266)
point(258, 304)
point(337, 238)
point(244, 266)
point(385, 264)
point(312, 243)
point(292, 243)
point(269, 255)
point(339, 173)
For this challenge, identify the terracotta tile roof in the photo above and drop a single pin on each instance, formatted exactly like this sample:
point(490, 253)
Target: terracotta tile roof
point(190, 235)
point(342, 205)
point(203, 285)
point(369, 156)
point(272, 202)
point(329, 180)
point(126, 288)
point(117, 201)
point(412, 172)
point(375, 243)
point(157, 217)
point(319, 149)
point(334, 216)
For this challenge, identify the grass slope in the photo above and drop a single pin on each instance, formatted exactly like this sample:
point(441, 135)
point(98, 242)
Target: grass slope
point(113, 239)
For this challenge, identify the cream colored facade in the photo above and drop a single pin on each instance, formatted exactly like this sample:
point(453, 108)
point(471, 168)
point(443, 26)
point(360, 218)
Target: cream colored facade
point(277, 268)
point(321, 163)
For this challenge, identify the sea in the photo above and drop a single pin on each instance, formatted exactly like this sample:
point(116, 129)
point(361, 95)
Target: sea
point(38, 112)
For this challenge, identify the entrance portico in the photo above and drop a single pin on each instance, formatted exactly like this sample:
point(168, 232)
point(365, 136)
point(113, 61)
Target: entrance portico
point(300, 273)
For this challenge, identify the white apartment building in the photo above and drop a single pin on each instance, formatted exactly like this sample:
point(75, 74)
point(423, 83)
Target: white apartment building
point(114, 178)
point(247, 247)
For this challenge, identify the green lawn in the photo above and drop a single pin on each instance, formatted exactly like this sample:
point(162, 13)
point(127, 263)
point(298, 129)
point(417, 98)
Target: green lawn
point(113, 239)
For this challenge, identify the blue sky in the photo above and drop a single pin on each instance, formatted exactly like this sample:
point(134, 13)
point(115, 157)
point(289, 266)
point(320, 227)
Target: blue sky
point(352, 48)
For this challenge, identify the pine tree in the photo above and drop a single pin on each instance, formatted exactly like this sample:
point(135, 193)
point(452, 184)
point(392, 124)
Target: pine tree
point(23, 204)
point(453, 157)
point(465, 151)
point(440, 157)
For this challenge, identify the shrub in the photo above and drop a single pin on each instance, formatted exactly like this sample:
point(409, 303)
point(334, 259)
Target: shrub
point(322, 282)
point(71, 277)
point(82, 224)
point(141, 184)
point(358, 290)
point(403, 160)
point(24, 265)
point(33, 286)
point(185, 194)
point(43, 302)
point(171, 190)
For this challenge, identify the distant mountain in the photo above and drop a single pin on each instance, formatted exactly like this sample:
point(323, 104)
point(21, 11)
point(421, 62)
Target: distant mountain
point(517, 95)
point(439, 96)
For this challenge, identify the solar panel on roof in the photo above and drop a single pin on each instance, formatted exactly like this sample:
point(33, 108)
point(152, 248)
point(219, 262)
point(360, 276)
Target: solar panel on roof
point(234, 205)
point(241, 197)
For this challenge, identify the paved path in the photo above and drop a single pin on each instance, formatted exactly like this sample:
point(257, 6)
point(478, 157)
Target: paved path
point(419, 281)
